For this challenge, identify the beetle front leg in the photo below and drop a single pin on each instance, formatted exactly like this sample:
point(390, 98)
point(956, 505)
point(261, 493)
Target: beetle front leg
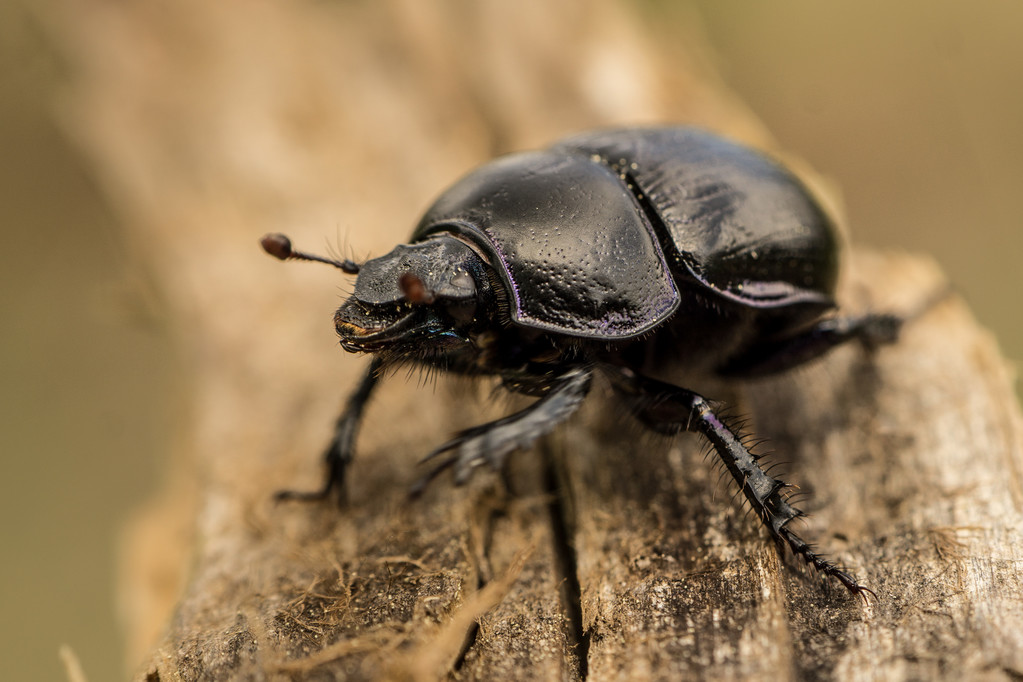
point(341, 449)
point(670, 409)
point(491, 443)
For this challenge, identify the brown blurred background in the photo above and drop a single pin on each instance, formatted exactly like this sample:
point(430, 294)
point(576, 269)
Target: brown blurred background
point(914, 109)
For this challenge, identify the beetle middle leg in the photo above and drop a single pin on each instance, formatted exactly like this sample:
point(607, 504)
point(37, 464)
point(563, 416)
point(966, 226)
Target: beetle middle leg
point(341, 449)
point(669, 409)
point(491, 443)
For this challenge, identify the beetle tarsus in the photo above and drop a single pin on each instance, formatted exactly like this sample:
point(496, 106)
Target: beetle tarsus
point(879, 329)
point(311, 495)
point(669, 409)
point(824, 567)
point(336, 459)
point(491, 443)
point(341, 449)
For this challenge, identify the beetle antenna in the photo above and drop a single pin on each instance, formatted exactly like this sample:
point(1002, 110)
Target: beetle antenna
point(279, 246)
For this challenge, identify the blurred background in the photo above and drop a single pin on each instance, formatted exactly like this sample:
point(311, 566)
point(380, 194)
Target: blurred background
point(912, 109)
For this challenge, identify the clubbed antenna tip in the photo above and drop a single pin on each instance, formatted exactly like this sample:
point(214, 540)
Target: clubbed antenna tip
point(279, 246)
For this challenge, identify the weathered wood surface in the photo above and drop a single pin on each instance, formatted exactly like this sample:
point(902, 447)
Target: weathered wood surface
point(605, 554)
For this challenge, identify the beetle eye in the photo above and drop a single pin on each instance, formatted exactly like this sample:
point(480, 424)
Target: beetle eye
point(414, 289)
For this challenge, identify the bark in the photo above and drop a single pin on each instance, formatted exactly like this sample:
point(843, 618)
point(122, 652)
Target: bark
point(603, 554)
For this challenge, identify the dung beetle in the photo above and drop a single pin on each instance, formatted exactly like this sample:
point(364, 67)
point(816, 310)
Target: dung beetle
point(618, 252)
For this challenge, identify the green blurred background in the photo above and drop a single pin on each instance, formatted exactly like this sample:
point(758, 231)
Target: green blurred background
point(913, 108)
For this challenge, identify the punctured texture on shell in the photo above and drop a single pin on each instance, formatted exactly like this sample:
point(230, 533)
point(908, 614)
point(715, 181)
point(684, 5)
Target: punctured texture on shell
point(575, 249)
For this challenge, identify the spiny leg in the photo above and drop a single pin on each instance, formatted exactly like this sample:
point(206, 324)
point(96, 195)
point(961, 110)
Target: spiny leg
point(341, 449)
point(669, 409)
point(491, 443)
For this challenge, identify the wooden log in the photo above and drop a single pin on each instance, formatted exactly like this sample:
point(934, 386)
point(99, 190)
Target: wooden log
point(604, 554)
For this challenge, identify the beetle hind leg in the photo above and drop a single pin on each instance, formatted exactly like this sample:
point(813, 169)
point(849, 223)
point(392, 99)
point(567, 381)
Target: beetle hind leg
point(871, 330)
point(670, 409)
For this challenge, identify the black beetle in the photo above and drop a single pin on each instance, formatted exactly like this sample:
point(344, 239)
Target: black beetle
point(617, 252)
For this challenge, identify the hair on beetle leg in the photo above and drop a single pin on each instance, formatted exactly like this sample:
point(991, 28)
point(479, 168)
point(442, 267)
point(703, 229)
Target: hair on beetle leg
point(770, 468)
point(751, 441)
point(796, 496)
point(706, 450)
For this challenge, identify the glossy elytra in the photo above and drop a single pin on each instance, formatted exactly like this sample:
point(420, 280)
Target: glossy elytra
point(609, 253)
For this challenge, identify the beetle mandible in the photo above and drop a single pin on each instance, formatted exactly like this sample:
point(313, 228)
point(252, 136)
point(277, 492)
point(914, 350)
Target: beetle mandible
point(611, 252)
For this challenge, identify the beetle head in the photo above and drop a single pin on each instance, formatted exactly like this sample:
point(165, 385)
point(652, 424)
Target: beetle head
point(419, 297)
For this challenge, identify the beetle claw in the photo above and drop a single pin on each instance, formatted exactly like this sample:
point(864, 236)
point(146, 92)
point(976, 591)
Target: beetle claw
point(491, 443)
point(420, 485)
point(471, 450)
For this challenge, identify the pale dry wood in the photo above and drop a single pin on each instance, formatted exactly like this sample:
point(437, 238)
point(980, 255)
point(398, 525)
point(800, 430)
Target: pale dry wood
point(911, 457)
point(606, 553)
